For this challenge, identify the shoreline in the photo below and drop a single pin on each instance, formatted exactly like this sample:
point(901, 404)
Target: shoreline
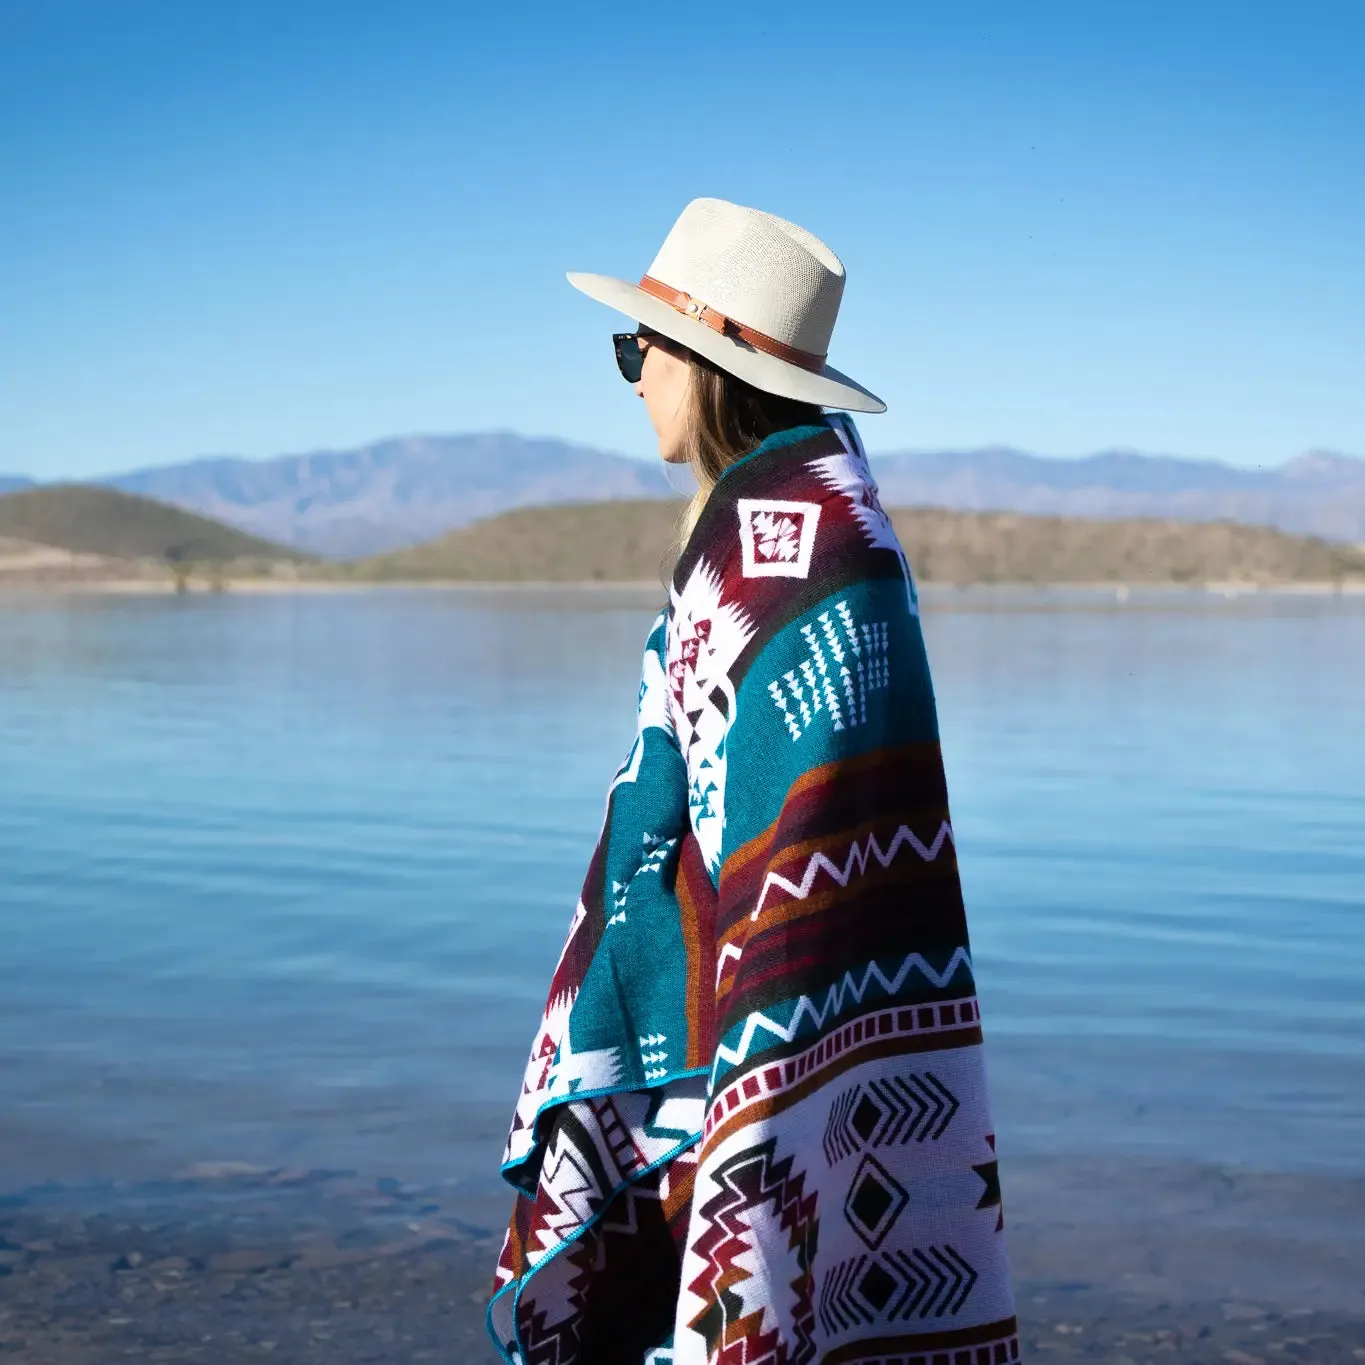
point(253, 587)
point(227, 1264)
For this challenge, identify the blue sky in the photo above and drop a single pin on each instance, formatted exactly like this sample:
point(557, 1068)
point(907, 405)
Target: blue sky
point(230, 226)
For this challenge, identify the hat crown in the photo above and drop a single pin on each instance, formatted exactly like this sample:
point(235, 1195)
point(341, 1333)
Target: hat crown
point(756, 268)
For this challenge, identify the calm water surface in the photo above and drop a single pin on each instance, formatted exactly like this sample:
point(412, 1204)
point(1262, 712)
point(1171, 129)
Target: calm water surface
point(282, 879)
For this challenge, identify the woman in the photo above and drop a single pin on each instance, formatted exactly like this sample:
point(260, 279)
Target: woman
point(754, 1124)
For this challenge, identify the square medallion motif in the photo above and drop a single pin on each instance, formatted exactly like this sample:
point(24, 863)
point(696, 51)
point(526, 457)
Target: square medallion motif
point(777, 537)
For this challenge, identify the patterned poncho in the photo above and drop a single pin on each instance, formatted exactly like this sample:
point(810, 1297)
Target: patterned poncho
point(754, 1126)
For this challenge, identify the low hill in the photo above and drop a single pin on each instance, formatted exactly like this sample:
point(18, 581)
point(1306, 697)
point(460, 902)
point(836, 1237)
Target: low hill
point(86, 520)
point(995, 547)
point(633, 541)
point(570, 543)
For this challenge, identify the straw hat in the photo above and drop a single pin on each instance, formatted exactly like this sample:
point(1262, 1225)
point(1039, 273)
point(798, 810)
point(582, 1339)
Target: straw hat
point(754, 294)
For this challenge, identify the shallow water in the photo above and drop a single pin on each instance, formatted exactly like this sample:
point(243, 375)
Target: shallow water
point(284, 877)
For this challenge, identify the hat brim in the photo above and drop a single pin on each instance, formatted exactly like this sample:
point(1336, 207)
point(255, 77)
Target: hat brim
point(828, 388)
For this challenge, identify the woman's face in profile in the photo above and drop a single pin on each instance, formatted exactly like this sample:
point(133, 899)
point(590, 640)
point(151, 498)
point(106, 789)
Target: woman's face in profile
point(665, 380)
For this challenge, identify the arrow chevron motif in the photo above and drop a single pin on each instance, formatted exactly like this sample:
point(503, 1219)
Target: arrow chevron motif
point(937, 1280)
point(927, 1107)
point(839, 1137)
point(891, 1110)
point(927, 1281)
point(841, 1306)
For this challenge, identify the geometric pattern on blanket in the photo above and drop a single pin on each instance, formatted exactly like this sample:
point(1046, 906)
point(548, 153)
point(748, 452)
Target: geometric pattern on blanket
point(754, 1126)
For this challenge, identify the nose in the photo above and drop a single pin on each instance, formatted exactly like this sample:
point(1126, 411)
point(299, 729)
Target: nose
point(639, 387)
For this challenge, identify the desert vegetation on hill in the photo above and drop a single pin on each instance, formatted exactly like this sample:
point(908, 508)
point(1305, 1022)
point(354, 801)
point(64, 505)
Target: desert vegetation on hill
point(635, 541)
point(90, 520)
point(77, 534)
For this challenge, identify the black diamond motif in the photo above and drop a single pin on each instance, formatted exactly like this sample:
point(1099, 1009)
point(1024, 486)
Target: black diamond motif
point(870, 1201)
point(877, 1286)
point(866, 1117)
point(875, 1201)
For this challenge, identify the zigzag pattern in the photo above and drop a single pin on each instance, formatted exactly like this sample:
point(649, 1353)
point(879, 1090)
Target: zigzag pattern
point(749, 1180)
point(858, 856)
point(559, 1342)
point(570, 1184)
point(929, 1281)
point(887, 1112)
point(806, 1010)
point(729, 953)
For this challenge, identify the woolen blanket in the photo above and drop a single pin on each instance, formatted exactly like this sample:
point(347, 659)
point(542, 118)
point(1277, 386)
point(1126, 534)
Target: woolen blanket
point(754, 1127)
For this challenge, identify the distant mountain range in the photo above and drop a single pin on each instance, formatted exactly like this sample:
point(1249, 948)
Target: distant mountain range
point(349, 503)
point(1320, 493)
point(398, 493)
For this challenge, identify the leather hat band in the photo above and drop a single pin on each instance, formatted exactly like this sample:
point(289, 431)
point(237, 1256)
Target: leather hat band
point(718, 322)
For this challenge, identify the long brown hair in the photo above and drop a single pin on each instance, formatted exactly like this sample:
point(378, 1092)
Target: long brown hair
point(727, 419)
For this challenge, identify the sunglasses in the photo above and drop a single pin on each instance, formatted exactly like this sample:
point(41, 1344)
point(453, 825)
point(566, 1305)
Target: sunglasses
point(630, 355)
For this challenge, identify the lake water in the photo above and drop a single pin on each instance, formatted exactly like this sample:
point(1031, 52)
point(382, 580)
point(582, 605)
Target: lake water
point(282, 878)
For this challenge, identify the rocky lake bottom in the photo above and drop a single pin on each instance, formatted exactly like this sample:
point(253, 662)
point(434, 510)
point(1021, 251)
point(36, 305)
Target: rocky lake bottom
point(226, 1264)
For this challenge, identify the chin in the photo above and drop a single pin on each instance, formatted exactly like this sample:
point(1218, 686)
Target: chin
point(674, 450)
